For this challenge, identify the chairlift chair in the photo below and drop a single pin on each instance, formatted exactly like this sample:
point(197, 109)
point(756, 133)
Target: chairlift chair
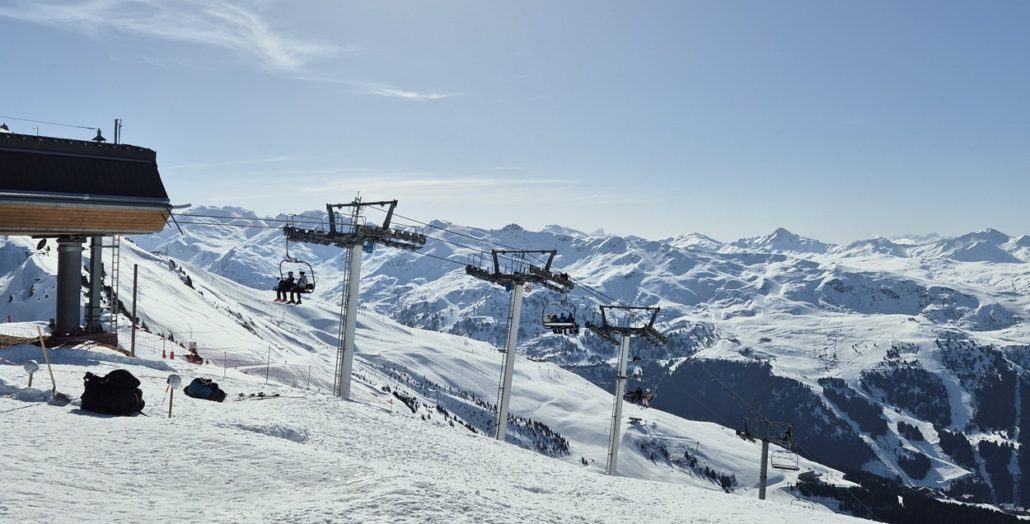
point(640, 397)
point(310, 270)
point(784, 460)
point(288, 259)
point(560, 318)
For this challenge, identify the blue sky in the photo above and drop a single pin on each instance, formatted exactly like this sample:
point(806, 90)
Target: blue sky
point(837, 120)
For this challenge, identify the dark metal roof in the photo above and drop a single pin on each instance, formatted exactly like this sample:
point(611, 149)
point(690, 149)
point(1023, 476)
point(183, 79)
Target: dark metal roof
point(39, 166)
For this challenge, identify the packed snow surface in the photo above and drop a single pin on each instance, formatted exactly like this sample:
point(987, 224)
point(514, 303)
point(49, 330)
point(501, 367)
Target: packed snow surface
point(301, 457)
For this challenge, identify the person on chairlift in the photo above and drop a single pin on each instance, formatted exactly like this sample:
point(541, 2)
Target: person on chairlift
point(564, 319)
point(301, 287)
point(285, 286)
point(552, 319)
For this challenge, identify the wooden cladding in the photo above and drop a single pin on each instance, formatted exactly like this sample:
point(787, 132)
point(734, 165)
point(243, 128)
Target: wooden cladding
point(54, 220)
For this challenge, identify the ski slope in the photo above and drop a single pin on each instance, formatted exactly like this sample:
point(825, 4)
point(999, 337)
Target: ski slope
point(239, 323)
point(303, 457)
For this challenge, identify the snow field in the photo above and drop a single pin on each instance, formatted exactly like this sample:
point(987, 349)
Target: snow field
point(308, 459)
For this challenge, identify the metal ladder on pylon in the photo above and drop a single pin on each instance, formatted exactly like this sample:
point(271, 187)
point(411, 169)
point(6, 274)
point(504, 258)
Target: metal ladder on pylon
point(111, 323)
point(344, 299)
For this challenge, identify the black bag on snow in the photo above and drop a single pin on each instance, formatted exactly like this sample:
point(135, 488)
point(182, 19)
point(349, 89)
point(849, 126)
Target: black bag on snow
point(117, 393)
point(204, 388)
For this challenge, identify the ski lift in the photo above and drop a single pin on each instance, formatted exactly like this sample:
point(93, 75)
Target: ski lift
point(784, 460)
point(560, 318)
point(310, 270)
point(310, 286)
point(639, 396)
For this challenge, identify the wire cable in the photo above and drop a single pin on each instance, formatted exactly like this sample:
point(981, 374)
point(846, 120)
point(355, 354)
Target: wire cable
point(579, 283)
point(48, 123)
point(298, 219)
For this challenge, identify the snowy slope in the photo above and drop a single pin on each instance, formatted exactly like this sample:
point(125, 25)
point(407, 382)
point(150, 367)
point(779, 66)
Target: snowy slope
point(236, 322)
point(873, 314)
point(303, 457)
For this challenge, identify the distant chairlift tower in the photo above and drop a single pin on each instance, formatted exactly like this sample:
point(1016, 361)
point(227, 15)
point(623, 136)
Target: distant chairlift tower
point(514, 275)
point(778, 433)
point(633, 320)
point(355, 237)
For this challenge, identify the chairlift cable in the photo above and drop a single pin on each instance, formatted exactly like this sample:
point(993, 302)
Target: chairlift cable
point(301, 218)
point(47, 123)
point(240, 226)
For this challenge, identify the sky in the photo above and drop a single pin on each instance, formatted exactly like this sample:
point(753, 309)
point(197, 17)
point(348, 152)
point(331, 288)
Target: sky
point(836, 120)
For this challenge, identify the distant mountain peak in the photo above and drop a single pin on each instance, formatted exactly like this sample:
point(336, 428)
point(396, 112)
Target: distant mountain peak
point(989, 235)
point(782, 239)
point(878, 245)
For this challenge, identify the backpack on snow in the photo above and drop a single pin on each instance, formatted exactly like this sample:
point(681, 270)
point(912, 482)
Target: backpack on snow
point(204, 388)
point(117, 393)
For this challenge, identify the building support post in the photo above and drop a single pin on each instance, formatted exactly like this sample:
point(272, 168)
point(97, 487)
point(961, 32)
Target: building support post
point(96, 285)
point(620, 389)
point(69, 285)
point(132, 343)
point(504, 393)
point(350, 322)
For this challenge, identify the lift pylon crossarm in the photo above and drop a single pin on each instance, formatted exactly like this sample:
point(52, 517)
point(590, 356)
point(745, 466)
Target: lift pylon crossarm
point(359, 234)
point(763, 429)
point(601, 332)
point(522, 272)
point(607, 329)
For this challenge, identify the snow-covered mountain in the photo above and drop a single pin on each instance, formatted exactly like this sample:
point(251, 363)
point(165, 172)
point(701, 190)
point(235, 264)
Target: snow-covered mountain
point(414, 390)
point(902, 358)
point(781, 240)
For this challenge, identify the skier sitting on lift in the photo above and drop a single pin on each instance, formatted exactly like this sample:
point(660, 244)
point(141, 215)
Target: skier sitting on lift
point(639, 396)
point(552, 319)
point(301, 287)
point(285, 286)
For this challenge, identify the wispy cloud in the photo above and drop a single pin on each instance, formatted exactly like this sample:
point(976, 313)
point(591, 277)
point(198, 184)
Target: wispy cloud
point(224, 24)
point(409, 95)
point(377, 89)
point(217, 23)
point(266, 160)
point(431, 183)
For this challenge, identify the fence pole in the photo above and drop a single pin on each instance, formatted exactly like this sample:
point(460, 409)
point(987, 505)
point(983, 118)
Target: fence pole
point(132, 344)
point(225, 362)
point(268, 363)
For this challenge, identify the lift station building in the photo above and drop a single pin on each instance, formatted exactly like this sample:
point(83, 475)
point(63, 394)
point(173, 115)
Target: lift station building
point(71, 191)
